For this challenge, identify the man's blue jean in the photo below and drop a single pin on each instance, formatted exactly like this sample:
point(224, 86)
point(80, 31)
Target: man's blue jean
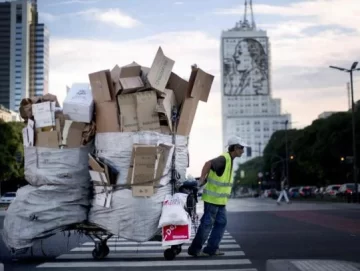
point(214, 221)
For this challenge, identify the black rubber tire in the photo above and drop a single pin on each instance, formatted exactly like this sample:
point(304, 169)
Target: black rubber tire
point(106, 250)
point(169, 254)
point(98, 254)
point(177, 249)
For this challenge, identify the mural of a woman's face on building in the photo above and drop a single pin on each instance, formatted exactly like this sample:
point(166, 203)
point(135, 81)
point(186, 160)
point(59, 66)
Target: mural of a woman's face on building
point(242, 57)
point(250, 69)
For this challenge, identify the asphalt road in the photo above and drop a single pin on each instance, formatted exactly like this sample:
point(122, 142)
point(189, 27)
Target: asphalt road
point(257, 230)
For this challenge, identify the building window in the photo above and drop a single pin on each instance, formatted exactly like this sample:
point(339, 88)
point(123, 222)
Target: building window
point(18, 19)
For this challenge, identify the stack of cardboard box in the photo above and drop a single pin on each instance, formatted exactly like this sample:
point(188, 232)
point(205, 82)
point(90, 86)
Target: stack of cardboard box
point(134, 98)
point(51, 127)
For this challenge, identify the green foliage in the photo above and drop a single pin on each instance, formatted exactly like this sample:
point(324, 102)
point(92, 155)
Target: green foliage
point(317, 150)
point(251, 169)
point(11, 145)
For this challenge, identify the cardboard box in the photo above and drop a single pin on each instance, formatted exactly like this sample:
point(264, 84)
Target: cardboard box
point(102, 86)
point(138, 112)
point(29, 134)
point(160, 71)
point(131, 84)
point(72, 134)
point(148, 164)
point(198, 90)
point(102, 196)
point(115, 76)
point(107, 117)
point(166, 105)
point(144, 164)
point(79, 104)
point(143, 191)
point(47, 139)
point(40, 108)
point(179, 86)
point(165, 153)
point(101, 172)
point(44, 114)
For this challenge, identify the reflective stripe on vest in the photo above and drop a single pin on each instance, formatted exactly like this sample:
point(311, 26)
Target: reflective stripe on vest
point(211, 181)
point(218, 188)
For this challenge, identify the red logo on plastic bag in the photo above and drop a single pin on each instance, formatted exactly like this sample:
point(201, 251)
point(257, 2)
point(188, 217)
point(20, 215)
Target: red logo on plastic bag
point(172, 232)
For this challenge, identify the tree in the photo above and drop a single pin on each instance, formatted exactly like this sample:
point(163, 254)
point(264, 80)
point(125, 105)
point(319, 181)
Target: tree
point(316, 151)
point(11, 150)
point(251, 169)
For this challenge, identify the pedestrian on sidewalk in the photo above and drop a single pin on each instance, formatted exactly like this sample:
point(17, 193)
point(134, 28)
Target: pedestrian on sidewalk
point(217, 177)
point(283, 192)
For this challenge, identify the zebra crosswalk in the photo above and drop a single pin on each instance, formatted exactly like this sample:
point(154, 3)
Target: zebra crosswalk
point(147, 256)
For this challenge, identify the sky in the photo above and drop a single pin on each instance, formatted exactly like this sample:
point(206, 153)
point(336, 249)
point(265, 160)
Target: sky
point(306, 37)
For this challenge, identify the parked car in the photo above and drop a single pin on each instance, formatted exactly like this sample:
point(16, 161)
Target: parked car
point(347, 191)
point(306, 191)
point(332, 190)
point(7, 198)
point(294, 192)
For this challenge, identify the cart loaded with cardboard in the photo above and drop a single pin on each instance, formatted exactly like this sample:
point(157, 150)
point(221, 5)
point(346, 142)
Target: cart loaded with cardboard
point(111, 161)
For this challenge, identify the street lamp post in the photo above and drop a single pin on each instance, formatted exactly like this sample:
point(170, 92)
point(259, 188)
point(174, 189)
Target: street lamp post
point(350, 71)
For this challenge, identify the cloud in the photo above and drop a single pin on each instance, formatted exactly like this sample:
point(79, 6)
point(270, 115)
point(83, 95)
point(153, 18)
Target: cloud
point(47, 16)
point(113, 17)
point(71, 60)
point(73, 2)
point(178, 3)
point(333, 12)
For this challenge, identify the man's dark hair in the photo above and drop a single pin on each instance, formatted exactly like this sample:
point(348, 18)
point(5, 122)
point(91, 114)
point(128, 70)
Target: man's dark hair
point(231, 148)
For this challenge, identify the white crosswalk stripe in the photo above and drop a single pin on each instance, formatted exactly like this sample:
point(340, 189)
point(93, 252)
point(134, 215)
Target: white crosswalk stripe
point(148, 256)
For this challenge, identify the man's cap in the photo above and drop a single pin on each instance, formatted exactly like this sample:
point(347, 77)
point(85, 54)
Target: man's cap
point(235, 140)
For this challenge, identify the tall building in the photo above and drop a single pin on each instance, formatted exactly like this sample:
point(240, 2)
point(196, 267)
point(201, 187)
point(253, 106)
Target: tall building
point(248, 108)
point(24, 53)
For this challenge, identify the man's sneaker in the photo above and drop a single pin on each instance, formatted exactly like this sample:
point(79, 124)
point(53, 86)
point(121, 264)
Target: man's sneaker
point(217, 253)
point(191, 253)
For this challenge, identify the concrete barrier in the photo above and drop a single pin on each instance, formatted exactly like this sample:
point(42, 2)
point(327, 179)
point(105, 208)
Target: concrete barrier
point(311, 265)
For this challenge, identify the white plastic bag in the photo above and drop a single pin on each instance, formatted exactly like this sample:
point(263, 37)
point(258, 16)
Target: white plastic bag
point(173, 210)
point(176, 235)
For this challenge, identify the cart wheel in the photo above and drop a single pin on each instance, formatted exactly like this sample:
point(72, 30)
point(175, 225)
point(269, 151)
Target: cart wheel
point(98, 254)
point(106, 250)
point(169, 254)
point(177, 249)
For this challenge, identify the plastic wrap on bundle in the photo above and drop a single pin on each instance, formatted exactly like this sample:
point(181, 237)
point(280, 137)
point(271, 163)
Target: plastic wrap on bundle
point(48, 166)
point(135, 218)
point(59, 197)
point(116, 149)
point(38, 212)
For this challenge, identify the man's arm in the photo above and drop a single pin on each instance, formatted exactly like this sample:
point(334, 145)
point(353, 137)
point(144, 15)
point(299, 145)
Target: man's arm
point(204, 173)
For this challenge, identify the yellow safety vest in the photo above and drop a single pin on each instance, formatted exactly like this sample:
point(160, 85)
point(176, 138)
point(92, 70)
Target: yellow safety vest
point(218, 188)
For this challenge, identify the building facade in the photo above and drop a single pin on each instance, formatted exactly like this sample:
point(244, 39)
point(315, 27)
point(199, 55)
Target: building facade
point(248, 108)
point(7, 115)
point(24, 71)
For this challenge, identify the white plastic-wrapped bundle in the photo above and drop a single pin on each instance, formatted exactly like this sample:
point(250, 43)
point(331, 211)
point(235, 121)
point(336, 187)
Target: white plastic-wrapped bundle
point(58, 198)
point(57, 166)
point(41, 211)
point(135, 218)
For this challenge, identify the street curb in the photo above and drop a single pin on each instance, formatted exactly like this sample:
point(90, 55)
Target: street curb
point(310, 265)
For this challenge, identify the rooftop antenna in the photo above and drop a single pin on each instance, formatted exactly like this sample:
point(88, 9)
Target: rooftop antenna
point(245, 12)
point(253, 24)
